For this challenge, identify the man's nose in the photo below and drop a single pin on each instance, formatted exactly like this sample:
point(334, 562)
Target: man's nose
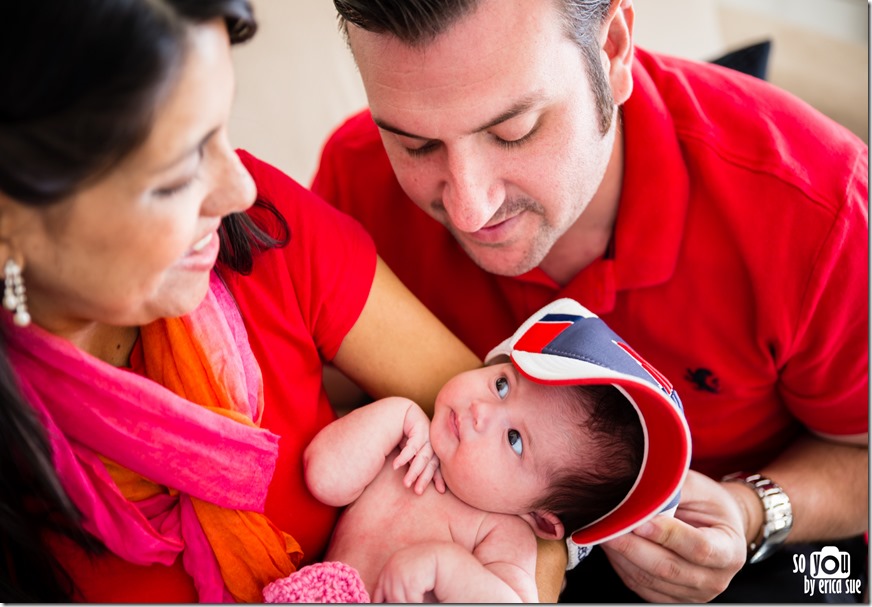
point(471, 195)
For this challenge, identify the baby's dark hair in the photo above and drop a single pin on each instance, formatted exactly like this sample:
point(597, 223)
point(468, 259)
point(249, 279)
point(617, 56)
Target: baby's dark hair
point(593, 484)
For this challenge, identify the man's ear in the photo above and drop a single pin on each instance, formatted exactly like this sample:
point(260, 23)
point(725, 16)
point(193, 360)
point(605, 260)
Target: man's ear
point(617, 48)
point(544, 524)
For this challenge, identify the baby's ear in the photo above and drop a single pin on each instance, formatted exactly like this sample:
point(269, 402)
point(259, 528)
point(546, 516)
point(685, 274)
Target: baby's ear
point(545, 524)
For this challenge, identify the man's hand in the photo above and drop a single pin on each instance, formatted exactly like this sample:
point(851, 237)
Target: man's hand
point(689, 558)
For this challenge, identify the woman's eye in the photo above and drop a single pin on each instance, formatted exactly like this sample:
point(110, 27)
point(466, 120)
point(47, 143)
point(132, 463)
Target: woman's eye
point(515, 442)
point(178, 188)
point(502, 385)
point(171, 191)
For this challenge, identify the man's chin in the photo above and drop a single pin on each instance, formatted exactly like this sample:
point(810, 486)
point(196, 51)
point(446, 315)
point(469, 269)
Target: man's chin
point(501, 263)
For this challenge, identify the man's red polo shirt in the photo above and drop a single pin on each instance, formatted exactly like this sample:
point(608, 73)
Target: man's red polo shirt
point(738, 263)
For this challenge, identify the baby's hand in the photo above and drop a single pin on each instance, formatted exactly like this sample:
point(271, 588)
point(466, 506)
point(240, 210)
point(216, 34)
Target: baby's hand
point(409, 576)
point(424, 465)
point(423, 468)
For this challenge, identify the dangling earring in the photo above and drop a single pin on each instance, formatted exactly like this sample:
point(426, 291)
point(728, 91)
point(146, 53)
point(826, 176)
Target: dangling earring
point(14, 298)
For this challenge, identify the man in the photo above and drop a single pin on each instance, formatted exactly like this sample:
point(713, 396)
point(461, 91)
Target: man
point(716, 222)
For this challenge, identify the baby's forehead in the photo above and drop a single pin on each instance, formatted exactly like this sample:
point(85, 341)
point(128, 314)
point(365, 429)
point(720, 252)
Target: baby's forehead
point(568, 401)
point(558, 422)
point(572, 402)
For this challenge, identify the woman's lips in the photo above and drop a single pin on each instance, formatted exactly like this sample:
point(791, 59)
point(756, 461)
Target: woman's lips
point(202, 255)
point(201, 244)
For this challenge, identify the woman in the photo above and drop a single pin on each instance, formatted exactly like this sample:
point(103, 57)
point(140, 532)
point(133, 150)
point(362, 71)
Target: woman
point(155, 404)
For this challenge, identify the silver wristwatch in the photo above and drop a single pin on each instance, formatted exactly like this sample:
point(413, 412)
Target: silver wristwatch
point(777, 515)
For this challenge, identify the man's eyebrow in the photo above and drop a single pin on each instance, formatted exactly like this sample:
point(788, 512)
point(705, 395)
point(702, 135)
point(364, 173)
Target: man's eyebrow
point(388, 127)
point(517, 109)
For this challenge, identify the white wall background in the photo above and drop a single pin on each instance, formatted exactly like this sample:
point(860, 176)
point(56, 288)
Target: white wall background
point(296, 80)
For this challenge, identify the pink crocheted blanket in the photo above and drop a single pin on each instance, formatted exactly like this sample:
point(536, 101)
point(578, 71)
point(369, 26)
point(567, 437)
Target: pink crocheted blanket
point(329, 582)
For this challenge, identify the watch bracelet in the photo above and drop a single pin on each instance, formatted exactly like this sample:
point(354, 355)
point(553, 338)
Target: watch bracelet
point(777, 514)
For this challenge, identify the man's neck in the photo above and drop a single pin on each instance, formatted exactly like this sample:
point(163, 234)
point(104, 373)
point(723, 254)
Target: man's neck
point(575, 250)
point(588, 238)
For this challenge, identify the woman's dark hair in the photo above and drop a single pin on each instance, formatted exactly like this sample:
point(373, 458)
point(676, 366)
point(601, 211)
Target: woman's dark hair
point(608, 466)
point(81, 82)
point(418, 22)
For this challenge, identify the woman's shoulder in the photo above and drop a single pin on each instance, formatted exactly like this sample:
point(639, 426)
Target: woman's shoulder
point(321, 278)
point(273, 184)
point(300, 207)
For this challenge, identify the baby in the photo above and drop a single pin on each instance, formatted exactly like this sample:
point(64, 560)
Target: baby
point(561, 435)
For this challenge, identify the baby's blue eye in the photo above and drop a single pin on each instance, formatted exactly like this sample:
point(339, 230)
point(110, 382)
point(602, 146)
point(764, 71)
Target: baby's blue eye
point(515, 442)
point(502, 387)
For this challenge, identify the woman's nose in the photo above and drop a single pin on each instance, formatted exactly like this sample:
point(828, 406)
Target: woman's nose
point(233, 188)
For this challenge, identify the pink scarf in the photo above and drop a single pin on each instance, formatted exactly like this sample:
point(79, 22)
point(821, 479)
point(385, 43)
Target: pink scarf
point(94, 412)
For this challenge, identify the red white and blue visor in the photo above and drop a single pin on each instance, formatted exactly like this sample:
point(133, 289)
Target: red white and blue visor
point(566, 344)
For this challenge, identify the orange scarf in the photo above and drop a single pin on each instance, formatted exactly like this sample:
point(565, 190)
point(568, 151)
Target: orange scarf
point(130, 450)
point(251, 551)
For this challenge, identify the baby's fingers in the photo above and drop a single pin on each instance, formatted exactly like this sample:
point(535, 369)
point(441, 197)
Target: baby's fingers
point(427, 474)
point(439, 481)
point(420, 468)
point(409, 451)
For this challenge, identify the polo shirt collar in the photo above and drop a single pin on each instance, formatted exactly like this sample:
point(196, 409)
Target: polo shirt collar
point(652, 210)
point(649, 227)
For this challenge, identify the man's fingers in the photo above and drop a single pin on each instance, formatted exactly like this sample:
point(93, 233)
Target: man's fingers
point(647, 586)
point(669, 557)
point(650, 564)
point(711, 547)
